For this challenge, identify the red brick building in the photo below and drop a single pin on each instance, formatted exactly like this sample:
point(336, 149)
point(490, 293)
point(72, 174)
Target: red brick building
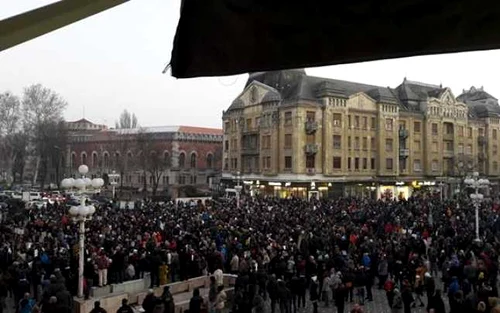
point(176, 155)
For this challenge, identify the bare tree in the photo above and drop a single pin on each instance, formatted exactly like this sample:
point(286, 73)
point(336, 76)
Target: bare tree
point(126, 120)
point(10, 131)
point(150, 160)
point(156, 168)
point(42, 120)
point(121, 147)
point(144, 145)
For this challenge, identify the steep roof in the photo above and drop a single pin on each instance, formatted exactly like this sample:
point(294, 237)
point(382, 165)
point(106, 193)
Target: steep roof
point(295, 85)
point(417, 91)
point(480, 103)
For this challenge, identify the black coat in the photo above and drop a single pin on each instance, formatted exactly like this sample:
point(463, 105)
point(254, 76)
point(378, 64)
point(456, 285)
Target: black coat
point(195, 304)
point(436, 303)
point(313, 291)
point(149, 303)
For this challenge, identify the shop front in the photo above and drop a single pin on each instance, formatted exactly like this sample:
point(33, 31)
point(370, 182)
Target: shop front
point(398, 190)
point(302, 190)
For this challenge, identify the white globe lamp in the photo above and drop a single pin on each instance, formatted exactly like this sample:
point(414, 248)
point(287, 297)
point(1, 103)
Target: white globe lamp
point(83, 210)
point(88, 181)
point(79, 183)
point(73, 211)
point(91, 209)
point(83, 169)
point(96, 183)
point(66, 183)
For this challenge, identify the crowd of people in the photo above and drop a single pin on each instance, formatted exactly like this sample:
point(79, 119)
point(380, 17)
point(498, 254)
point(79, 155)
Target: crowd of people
point(420, 251)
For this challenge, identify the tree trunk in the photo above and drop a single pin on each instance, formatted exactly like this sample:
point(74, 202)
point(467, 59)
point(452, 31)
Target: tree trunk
point(145, 186)
point(43, 173)
point(37, 168)
point(58, 181)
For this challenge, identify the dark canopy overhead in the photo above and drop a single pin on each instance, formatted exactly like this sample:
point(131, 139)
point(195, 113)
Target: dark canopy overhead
point(223, 37)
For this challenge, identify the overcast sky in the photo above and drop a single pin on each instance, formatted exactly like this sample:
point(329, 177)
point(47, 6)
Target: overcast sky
point(113, 61)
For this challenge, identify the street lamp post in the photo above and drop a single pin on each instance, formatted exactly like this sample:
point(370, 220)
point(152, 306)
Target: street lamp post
point(477, 183)
point(113, 181)
point(238, 190)
point(82, 213)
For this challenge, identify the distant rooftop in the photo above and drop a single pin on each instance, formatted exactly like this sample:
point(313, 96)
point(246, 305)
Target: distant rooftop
point(170, 129)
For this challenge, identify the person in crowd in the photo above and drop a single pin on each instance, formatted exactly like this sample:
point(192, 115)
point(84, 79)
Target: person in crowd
point(383, 271)
point(27, 304)
point(436, 302)
point(313, 293)
point(340, 295)
point(212, 294)
point(102, 266)
point(97, 308)
point(149, 302)
point(220, 301)
point(413, 241)
point(397, 302)
point(125, 308)
point(326, 289)
point(196, 302)
point(167, 300)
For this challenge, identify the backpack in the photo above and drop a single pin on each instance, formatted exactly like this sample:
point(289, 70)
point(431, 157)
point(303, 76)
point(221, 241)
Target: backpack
point(26, 306)
point(45, 258)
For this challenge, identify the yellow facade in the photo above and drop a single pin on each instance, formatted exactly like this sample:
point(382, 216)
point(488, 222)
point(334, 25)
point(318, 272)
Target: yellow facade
point(356, 139)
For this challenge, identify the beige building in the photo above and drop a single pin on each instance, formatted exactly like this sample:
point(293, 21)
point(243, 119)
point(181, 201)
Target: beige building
point(288, 133)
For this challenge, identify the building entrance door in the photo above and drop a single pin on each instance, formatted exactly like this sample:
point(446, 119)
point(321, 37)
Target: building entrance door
point(313, 195)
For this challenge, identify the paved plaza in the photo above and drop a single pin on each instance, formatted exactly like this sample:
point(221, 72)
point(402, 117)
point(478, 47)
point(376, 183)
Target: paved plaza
point(378, 305)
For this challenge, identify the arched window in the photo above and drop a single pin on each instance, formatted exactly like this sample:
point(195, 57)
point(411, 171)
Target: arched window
point(182, 159)
point(106, 160)
point(73, 160)
point(210, 160)
point(94, 160)
point(117, 159)
point(84, 158)
point(129, 159)
point(166, 158)
point(193, 160)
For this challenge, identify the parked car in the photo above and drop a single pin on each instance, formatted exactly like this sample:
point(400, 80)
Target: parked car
point(72, 201)
point(35, 195)
point(17, 195)
point(37, 203)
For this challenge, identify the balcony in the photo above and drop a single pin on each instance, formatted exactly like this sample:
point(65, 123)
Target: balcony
point(250, 150)
point(449, 136)
point(251, 130)
point(448, 153)
point(403, 133)
point(311, 127)
point(404, 153)
point(310, 171)
point(311, 148)
point(482, 140)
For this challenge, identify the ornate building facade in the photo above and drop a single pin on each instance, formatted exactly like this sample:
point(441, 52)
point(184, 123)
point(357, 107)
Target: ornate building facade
point(288, 133)
point(176, 156)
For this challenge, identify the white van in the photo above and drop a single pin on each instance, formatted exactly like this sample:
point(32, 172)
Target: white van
point(34, 195)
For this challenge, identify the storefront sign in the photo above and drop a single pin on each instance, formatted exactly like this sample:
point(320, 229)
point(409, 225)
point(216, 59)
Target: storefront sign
point(274, 184)
point(427, 183)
